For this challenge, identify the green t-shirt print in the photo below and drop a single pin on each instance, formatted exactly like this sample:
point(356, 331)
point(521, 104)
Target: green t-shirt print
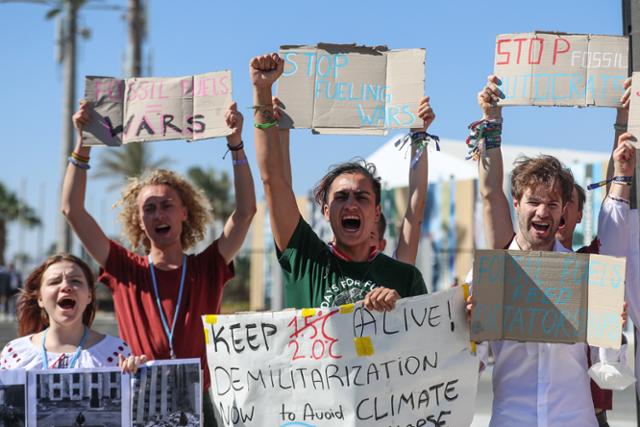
point(314, 277)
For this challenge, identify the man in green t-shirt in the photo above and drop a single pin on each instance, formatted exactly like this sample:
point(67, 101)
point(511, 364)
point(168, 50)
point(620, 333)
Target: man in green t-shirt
point(317, 274)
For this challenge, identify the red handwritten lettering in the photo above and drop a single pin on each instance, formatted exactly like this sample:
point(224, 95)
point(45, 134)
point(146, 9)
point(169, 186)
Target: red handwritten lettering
point(312, 330)
point(557, 50)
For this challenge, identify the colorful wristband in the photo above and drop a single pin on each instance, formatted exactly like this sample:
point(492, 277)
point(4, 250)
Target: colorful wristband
point(80, 165)
point(266, 125)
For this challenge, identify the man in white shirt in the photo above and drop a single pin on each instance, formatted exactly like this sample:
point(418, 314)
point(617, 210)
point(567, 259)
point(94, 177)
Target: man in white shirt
point(534, 384)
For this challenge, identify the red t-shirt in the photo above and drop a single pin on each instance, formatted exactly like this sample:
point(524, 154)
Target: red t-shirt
point(128, 277)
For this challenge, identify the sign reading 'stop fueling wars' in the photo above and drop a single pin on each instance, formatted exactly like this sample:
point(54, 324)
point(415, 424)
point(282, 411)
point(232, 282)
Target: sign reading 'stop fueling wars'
point(545, 68)
point(348, 89)
point(345, 366)
point(143, 109)
point(548, 297)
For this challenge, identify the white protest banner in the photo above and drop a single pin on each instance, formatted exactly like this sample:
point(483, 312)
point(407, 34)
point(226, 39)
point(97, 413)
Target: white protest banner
point(548, 68)
point(548, 297)
point(345, 365)
point(349, 89)
point(144, 109)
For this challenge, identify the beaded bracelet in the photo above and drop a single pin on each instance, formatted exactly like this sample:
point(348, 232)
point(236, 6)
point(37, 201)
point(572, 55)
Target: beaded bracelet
point(80, 158)
point(620, 179)
point(79, 164)
point(266, 125)
point(484, 135)
point(239, 162)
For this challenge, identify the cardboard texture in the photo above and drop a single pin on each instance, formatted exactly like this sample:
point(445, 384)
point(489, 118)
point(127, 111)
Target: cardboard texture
point(559, 69)
point(547, 297)
point(634, 110)
point(143, 109)
point(348, 89)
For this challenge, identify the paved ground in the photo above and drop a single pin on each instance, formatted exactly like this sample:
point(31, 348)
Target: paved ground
point(623, 414)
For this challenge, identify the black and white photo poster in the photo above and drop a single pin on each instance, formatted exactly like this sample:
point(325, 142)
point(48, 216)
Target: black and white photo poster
point(79, 397)
point(167, 393)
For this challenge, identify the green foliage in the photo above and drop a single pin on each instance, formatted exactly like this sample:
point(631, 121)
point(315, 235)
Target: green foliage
point(217, 189)
point(13, 209)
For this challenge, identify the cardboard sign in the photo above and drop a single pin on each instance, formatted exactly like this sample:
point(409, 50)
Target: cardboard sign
point(542, 68)
point(345, 365)
point(348, 89)
point(548, 297)
point(145, 109)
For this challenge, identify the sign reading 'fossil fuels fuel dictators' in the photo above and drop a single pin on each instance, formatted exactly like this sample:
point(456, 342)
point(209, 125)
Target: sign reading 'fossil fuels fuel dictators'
point(348, 89)
point(345, 365)
point(145, 109)
point(548, 297)
point(543, 68)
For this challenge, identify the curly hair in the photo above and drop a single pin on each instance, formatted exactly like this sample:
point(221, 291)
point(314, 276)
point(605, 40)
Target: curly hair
point(32, 318)
point(530, 172)
point(196, 204)
point(357, 165)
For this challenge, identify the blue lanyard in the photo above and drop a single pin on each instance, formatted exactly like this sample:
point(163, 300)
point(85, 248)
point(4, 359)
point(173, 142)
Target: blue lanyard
point(74, 358)
point(165, 324)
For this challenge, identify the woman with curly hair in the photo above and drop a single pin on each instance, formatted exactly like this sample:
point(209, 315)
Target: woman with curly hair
point(55, 311)
point(160, 297)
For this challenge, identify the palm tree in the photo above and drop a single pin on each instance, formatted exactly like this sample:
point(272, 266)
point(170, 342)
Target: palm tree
point(217, 189)
point(13, 209)
point(128, 161)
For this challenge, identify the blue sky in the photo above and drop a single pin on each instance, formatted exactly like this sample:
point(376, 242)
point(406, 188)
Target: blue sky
point(190, 37)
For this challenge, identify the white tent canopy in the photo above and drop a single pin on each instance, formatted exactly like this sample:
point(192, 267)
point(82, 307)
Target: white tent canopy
point(393, 165)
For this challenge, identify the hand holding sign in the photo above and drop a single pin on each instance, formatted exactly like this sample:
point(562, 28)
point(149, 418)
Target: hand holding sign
point(81, 118)
point(624, 156)
point(488, 99)
point(234, 120)
point(381, 299)
point(622, 112)
point(425, 112)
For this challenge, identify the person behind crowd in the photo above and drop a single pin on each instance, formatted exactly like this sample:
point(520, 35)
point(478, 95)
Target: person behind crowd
point(621, 221)
point(5, 290)
point(160, 297)
point(552, 385)
point(55, 311)
point(317, 274)
point(14, 286)
point(572, 216)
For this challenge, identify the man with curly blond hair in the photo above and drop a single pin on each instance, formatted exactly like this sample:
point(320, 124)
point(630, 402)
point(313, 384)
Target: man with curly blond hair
point(160, 297)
